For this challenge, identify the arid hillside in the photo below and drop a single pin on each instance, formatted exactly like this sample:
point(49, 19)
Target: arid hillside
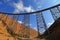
point(9, 28)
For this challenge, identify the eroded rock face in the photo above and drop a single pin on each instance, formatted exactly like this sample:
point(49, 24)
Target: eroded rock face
point(17, 28)
point(4, 35)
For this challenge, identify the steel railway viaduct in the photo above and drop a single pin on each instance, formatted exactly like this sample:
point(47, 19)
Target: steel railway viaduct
point(22, 31)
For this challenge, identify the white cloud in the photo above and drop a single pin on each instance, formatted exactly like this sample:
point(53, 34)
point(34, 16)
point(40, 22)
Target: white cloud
point(20, 22)
point(28, 9)
point(20, 7)
point(25, 24)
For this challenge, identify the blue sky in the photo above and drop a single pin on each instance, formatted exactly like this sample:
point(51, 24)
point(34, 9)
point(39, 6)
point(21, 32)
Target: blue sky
point(22, 6)
point(30, 4)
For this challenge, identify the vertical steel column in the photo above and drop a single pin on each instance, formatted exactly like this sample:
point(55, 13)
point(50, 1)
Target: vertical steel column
point(14, 23)
point(55, 12)
point(26, 23)
point(37, 20)
point(15, 17)
point(40, 19)
point(53, 15)
point(45, 27)
point(58, 9)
